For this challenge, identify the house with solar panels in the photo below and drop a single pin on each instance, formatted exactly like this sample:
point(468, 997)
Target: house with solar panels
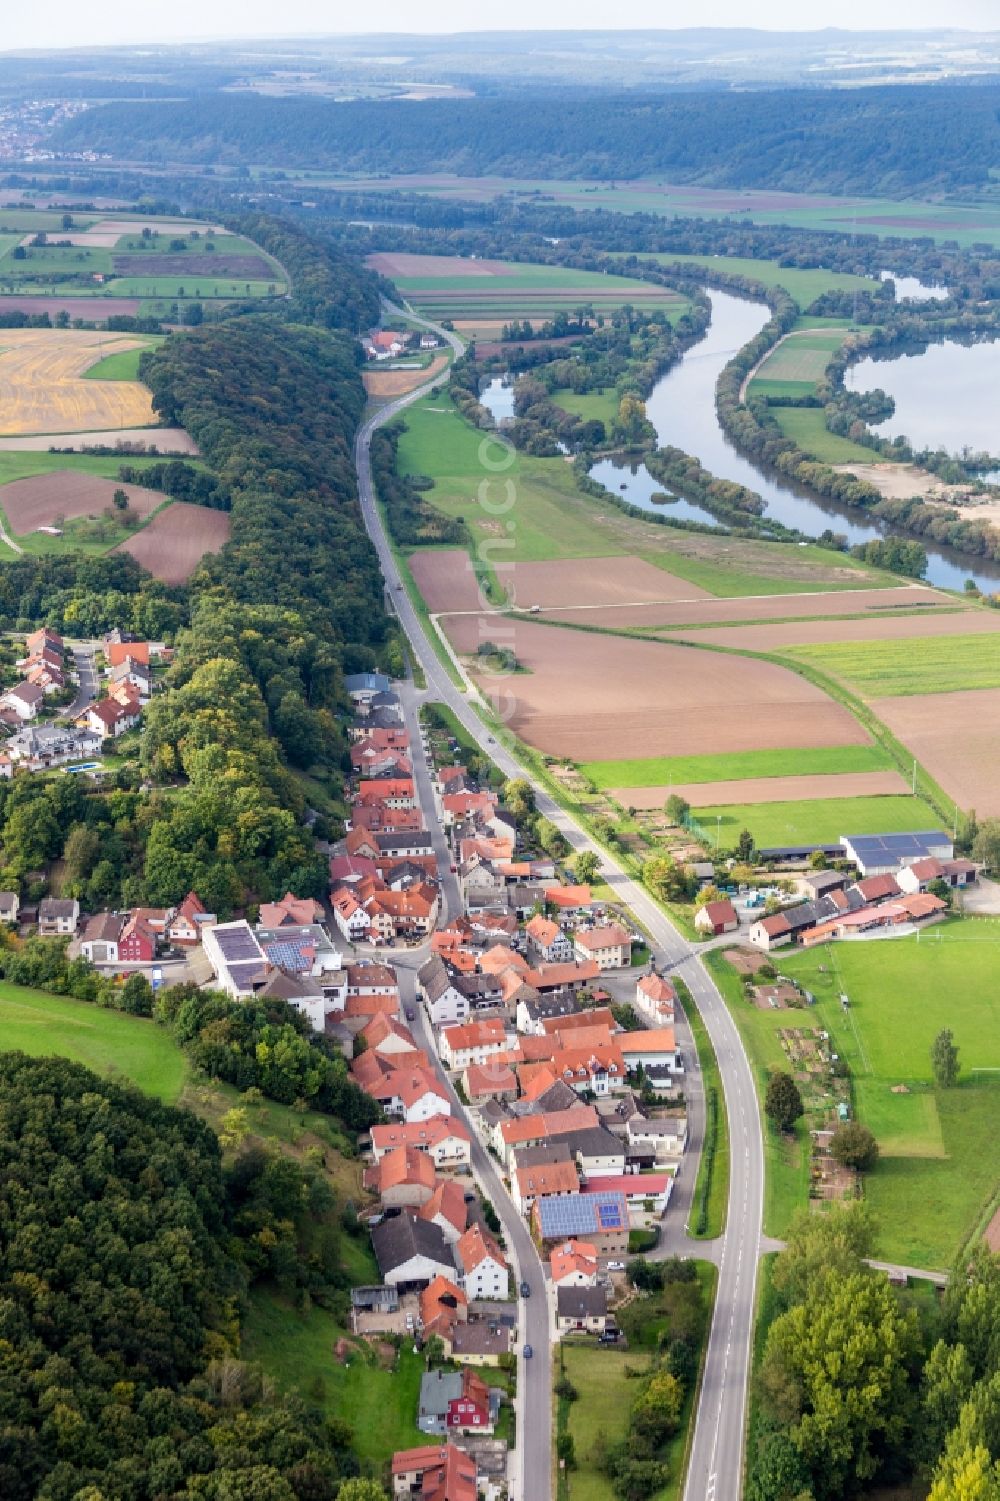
point(600, 1218)
point(883, 854)
point(238, 962)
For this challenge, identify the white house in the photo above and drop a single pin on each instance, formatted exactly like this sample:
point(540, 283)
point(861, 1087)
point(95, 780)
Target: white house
point(349, 915)
point(411, 1252)
point(481, 1263)
point(574, 1264)
point(444, 1001)
point(654, 1048)
point(237, 959)
point(472, 1042)
point(415, 1095)
point(25, 699)
point(445, 1140)
point(665, 1138)
point(655, 1000)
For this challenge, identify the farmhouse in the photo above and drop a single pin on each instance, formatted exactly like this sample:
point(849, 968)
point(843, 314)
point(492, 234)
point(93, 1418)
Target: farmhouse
point(411, 1252)
point(403, 1178)
point(547, 942)
point(610, 947)
point(879, 854)
point(717, 917)
point(442, 1306)
point(437, 1472)
point(771, 932)
point(922, 873)
point(447, 1209)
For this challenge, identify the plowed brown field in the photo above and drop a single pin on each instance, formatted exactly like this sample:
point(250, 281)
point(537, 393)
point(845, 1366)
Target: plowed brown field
point(753, 607)
point(596, 697)
point(175, 541)
point(767, 789)
point(380, 383)
point(44, 498)
point(42, 389)
point(889, 628)
point(446, 580)
point(955, 736)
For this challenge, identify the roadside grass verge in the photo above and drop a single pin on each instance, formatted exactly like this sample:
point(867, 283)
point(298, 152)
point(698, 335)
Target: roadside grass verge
point(786, 1158)
point(711, 1190)
point(814, 821)
point(929, 664)
point(377, 1397)
point(656, 771)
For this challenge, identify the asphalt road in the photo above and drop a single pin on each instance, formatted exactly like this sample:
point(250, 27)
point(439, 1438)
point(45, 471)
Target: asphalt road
point(715, 1468)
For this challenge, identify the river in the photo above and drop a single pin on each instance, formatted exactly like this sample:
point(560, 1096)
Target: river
point(681, 408)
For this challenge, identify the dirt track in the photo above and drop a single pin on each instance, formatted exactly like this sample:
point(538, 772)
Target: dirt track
point(596, 697)
point(767, 789)
point(175, 541)
point(955, 736)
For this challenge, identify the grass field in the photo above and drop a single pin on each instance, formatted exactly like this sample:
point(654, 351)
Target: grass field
point(656, 771)
point(115, 1046)
point(821, 821)
point(296, 1349)
point(802, 285)
point(805, 426)
point(939, 1168)
point(797, 363)
point(602, 405)
point(123, 366)
point(883, 669)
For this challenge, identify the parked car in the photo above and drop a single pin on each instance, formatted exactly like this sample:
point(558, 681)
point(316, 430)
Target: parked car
point(616, 1266)
point(527, 1352)
point(411, 1015)
point(525, 1290)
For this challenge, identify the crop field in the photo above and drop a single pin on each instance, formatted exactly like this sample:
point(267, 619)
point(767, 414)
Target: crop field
point(901, 668)
point(879, 216)
point(799, 360)
point(805, 426)
point(816, 821)
point(579, 694)
point(724, 766)
point(754, 792)
point(125, 1048)
point(804, 285)
point(454, 287)
point(176, 540)
point(381, 384)
point(938, 1166)
point(140, 441)
point(915, 626)
point(49, 499)
point(42, 389)
point(955, 739)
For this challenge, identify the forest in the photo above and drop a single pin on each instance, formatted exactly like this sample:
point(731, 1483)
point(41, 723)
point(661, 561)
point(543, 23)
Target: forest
point(127, 1250)
point(928, 138)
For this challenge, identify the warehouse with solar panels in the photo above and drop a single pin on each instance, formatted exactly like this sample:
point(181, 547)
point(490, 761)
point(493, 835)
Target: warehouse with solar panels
point(884, 854)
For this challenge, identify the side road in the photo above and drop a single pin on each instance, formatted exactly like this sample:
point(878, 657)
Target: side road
point(716, 1460)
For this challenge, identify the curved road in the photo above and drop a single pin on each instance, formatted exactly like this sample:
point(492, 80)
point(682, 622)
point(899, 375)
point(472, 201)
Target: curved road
point(715, 1468)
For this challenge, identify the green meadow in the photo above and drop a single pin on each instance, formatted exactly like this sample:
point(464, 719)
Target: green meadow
point(805, 426)
point(726, 766)
point(804, 285)
point(814, 821)
point(929, 664)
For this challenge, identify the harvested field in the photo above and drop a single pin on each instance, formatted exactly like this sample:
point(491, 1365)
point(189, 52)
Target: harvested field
point(446, 580)
point(767, 790)
point(42, 390)
point(176, 540)
point(590, 696)
point(384, 383)
point(819, 632)
point(394, 263)
point(131, 440)
point(191, 263)
point(955, 739)
point(598, 581)
point(708, 610)
point(94, 309)
point(137, 224)
point(64, 493)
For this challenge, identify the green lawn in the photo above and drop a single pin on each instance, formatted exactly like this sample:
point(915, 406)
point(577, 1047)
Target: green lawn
point(296, 1350)
point(110, 1043)
point(815, 821)
point(602, 405)
point(189, 287)
point(123, 366)
point(931, 664)
point(655, 771)
point(939, 1168)
point(802, 285)
point(729, 573)
point(805, 426)
point(22, 463)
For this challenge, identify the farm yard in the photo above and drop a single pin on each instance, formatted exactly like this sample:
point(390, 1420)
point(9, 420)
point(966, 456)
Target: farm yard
point(43, 390)
point(176, 540)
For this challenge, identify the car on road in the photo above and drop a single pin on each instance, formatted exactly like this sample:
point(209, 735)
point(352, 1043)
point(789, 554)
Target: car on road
point(616, 1266)
point(527, 1352)
point(411, 1015)
point(525, 1290)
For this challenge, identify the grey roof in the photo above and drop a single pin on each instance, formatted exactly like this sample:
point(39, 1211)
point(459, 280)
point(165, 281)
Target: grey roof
point(437, 1389)
point(103, 927)
point(402, 1236)
point(594, 1141)
point(582, 1302)
point(477, 985)
point(525, 896)
point(895, 848)
point(366, 682)
point(544, 1154)
point(383, 719)
point(668, 1126)
point(284, 986)
point(434, 978)
point(418, 839)
point(492, 1311)
point(558, 1096)
point(384, 699)
point(8, 901)
point(821, 881)
point(479, 1339)
point(558, 1003)
point(492, 1112)
point(54, 906)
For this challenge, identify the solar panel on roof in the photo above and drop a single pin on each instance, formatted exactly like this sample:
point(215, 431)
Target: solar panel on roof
point(237, 943)
point(287, 955)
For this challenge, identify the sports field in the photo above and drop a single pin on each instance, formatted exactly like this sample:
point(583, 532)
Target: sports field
point(939, 1166)
point(821, 821)
point(127, 1048)
point(896, 669)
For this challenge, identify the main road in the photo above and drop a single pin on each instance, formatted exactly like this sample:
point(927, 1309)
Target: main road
point(715, 1468)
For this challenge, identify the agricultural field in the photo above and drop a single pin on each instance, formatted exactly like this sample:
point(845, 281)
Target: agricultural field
point(805, 426)
point(796, 364)
point(955, 738)
point(483, 293)
point(123, 366)
point(819, 821)
point(901, 668)
point(126, 1048)
point(725, 766)
point(938, 1166)
point(43, 390)
point(803, 285)
point(176, 540)
point(753, 792)
point(965, 223)
point(382, 385)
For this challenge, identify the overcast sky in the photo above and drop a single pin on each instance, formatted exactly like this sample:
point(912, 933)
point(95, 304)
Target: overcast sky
point(67, 23)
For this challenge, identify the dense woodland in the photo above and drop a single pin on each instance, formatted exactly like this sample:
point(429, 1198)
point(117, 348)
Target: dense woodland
point(928, 137)
point(125, 1253)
